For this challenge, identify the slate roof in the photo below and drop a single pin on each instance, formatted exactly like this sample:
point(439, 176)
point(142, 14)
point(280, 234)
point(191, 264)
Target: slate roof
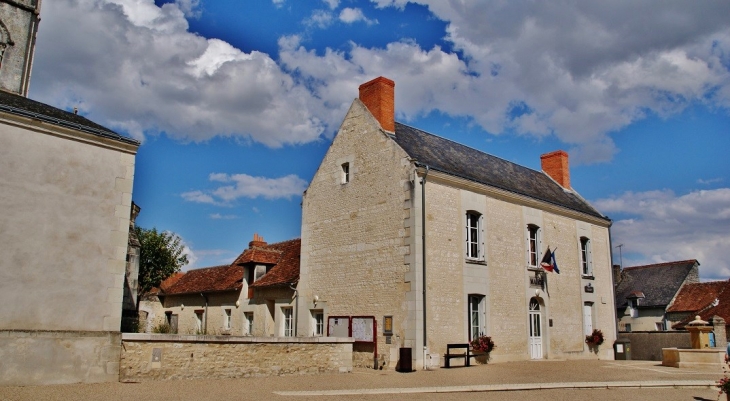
point(22, 106)
point(699, 299)
point(455, 159)
point(658, 282)
point(209, 279)
point(286, 268)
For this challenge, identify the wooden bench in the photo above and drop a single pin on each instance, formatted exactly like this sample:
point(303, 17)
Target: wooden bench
point(467, 354)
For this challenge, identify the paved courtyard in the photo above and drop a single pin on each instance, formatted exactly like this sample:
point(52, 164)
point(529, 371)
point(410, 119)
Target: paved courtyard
point(555, 380)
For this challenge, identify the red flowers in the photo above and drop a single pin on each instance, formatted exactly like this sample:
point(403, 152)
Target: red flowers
point(595, 339)
point(483, 344)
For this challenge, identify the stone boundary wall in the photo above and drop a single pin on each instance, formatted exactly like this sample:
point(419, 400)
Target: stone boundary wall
point(148, 357)
point(647, 345)
point(39, 357)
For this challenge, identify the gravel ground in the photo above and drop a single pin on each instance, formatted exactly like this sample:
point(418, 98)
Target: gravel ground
point(501, 373)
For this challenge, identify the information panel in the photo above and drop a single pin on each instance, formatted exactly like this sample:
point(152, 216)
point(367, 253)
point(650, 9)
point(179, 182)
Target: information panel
point(338, 326)
point(362, 329)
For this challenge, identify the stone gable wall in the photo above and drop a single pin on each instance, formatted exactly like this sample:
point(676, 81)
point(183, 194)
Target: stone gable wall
point(353, 236)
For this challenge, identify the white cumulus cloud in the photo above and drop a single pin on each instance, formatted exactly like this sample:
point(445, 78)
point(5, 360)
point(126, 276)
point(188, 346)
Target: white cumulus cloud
point(351, 15)
point(662, 227)
point(246, 186)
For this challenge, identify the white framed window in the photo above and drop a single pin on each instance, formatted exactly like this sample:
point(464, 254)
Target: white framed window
point(288, 322)
point(318, 323)
point(659, 326)
point(476, 316)
point(227, 319)
point(585, 257)
point(474, 235)
point(533, 245)
point(248, 323)
point(345, 173)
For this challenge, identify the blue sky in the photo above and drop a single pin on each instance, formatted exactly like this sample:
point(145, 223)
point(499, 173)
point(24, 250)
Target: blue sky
point(237, 101)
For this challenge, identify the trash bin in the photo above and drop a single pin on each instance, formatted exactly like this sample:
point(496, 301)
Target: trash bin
point(622, 349)
point(405, 362)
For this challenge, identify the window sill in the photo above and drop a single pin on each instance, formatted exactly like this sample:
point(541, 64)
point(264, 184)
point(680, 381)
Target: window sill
point(587, 277)
point(476, 261)
point(535, 269)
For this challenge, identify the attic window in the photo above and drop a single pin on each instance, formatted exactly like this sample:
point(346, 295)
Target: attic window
point(345, 173)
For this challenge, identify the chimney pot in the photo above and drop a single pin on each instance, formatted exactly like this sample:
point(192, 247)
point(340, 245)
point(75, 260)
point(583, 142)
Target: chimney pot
point(257, 241)
point(378, 96)
point(555, 164)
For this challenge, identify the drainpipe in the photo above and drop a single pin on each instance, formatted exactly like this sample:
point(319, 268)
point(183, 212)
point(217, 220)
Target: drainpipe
point(613, 281)
point(205, 324)
point(296, 306)
point(423, 264)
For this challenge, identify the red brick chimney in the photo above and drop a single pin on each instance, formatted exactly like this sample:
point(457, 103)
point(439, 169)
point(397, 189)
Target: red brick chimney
point(257, 241)
point(379, 97)
point(555, 164)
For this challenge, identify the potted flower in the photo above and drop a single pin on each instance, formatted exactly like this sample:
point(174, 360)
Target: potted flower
point(594, 339)
point(482, 344)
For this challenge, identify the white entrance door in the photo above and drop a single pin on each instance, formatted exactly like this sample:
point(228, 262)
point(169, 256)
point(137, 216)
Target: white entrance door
point(535, 339)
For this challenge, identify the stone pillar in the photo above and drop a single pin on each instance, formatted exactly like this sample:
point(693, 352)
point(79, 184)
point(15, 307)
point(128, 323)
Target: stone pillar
point(718, 325)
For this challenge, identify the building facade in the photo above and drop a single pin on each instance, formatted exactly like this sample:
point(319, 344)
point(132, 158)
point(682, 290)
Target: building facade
point(253, 296)
point(644, 292)
point(445, 242)
point(66, 187)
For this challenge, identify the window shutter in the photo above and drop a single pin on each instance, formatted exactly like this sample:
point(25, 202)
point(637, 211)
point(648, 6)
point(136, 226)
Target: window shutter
point(481, 237)
point(589, 256)
point(466, 235)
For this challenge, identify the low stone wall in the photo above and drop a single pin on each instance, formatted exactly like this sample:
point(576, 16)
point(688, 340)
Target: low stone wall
point(647, 345)
point(148, 357)
point(38, 357)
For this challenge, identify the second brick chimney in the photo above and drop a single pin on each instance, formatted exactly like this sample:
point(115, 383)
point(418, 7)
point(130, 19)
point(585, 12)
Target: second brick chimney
point(378, 96)
point(555, 164)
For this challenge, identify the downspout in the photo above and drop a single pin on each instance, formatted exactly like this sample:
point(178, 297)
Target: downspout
point(205, 316)
point(423, 264)
point(613, 281)
point(296, 306)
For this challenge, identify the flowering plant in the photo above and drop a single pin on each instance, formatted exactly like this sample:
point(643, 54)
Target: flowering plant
point(724, 383)
point(595, 339)
point(483, 344)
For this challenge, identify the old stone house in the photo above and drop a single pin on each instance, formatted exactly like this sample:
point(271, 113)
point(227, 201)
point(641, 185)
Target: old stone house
point(445, 242)
point(708, 300)
point(254, 296)
point(66, 192)
point(644, 292)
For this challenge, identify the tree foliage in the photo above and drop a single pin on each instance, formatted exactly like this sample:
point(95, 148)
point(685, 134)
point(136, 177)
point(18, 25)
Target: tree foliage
point(161, 255)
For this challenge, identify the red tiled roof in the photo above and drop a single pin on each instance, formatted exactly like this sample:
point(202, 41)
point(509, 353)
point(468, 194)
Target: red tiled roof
point(209, 279)
point(698, 299)
point(259, 254)
point(693, 297)
point(286, 270)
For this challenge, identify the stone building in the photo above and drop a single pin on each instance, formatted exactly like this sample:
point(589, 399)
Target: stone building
point(253, 296)
point(18, 27)
point(66, 187)
point(445, 242)
point(644, 292)
point(66, 192)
